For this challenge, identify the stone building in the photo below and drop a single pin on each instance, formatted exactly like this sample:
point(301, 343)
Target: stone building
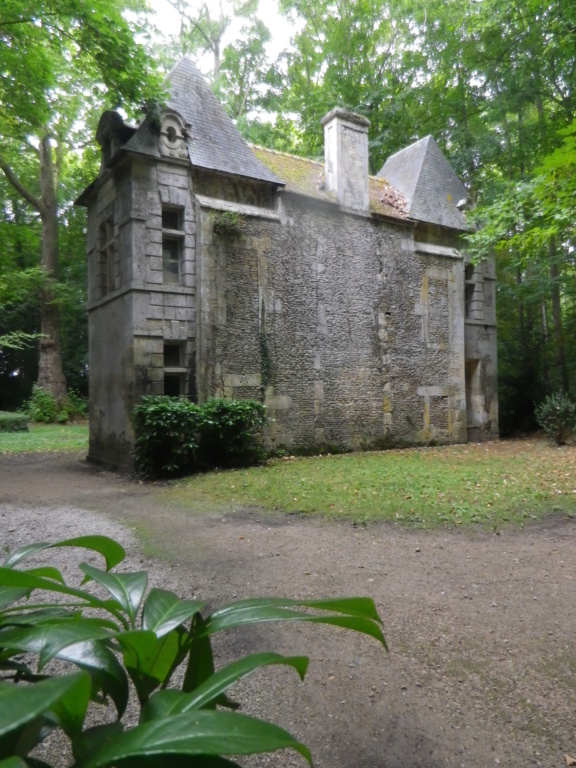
point(344, 301)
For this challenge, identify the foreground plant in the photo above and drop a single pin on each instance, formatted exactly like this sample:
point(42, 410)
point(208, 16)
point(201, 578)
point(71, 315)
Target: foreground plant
point(136, 637)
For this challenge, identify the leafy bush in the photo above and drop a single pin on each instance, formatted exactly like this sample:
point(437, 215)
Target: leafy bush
point(167, 435)
point(76, 406)
point(13, 422)
point(229, 432)
point(557, 417)
point(42, 406)
point(138, 639)
point(175, 437)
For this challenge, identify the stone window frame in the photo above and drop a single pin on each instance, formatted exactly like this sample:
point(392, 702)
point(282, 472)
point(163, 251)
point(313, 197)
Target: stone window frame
point(174, 370)
point(172, 245)
point(107, 255)
point(469, 289)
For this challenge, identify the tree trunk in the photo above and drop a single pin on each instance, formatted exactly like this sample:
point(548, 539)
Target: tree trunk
point(557, 315)
point(50, 374)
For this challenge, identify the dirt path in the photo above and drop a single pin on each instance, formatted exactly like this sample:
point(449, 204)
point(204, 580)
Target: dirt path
point(481, 628)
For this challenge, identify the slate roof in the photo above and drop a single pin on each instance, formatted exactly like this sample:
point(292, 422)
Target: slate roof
point(215, 144)
point(428, 183)
point(306, 177)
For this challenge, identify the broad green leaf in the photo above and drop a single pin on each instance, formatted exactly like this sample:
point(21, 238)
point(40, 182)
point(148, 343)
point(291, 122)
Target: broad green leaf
point(106, 672)
point(165, 704)
point(150, 660)
point(48, 640)
point(23, 579)
point(112, 552)
point(350, 606)
point(64, 697)
point(95, 738)
point(177, 761)
point(56, 615)
point(351, 613)
point(48, 573)
point(10, 595)
point(13, 762)
point(126, 588)
point(163, 611)
point(202, 732)
point(200, 658)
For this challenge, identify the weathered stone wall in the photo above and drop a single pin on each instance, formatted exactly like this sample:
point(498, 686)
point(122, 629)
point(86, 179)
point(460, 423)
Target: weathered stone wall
point(481, 346)
point(350, 327)
point(111, 388)
point(130, 324)
point(352, 336)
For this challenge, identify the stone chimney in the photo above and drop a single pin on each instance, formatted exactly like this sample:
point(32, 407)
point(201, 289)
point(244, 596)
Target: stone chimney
point(346, 157)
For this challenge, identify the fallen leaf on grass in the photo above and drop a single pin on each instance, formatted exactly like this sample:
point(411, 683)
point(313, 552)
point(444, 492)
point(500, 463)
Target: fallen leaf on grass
point(569, 760)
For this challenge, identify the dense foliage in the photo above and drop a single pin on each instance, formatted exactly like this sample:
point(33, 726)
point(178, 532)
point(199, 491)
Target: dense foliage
point(62, 62)
point(557, 417)
point(139, 639)
point(176, 437)
point(462, 71)
point(43, 407)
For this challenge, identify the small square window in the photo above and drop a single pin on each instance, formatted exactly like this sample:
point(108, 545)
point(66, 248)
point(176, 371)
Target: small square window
point(172, 356)
point(172, 384)
point(171, 218)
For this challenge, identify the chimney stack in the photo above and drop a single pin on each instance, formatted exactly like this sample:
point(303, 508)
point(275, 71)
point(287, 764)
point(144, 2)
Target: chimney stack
point(346, 157)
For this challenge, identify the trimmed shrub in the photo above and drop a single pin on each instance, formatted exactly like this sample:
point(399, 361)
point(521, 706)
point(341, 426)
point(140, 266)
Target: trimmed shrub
point(230, 432)
point(557, 417)
point(13, 422)
point(167, 436)
point(176, 437)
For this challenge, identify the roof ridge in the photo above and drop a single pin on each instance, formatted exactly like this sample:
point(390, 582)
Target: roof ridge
point(285, 154)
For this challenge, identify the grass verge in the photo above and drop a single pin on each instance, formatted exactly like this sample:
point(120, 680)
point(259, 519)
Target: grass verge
point(491, 485)
point(46, 438)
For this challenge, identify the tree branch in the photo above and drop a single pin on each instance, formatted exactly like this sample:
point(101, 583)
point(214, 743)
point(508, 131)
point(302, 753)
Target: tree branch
point(34, 201)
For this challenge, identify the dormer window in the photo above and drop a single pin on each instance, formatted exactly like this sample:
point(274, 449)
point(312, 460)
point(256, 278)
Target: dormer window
point(173, 136)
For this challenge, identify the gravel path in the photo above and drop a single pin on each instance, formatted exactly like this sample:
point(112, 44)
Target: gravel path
point(481, 628)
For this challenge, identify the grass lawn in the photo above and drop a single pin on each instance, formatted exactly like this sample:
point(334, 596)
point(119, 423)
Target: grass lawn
point(490, 484)
point(46, 438)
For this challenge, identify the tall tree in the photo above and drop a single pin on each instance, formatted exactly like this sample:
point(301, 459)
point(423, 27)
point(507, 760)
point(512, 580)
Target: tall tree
point(57, 58)
point(203, 25)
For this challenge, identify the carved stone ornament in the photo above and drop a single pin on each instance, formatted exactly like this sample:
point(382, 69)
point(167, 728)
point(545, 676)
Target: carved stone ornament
point(172, 142)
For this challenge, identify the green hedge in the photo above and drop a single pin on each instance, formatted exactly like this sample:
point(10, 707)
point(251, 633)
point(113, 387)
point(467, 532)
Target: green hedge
point(13, 422)
point(176, 437)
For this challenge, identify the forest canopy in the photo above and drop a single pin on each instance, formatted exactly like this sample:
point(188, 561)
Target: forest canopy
point(492, 80)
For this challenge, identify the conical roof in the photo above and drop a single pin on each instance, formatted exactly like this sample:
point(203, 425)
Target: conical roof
point(214, 143)
point(428, 183)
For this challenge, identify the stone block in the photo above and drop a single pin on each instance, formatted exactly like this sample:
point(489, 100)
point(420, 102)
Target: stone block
point(154, 312)
point(154, 277)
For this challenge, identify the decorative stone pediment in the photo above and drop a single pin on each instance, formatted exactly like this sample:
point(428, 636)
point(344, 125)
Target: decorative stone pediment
point(173, 135)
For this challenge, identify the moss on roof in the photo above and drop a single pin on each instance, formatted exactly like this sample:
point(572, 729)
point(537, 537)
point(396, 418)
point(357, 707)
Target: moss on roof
point(306, 177)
